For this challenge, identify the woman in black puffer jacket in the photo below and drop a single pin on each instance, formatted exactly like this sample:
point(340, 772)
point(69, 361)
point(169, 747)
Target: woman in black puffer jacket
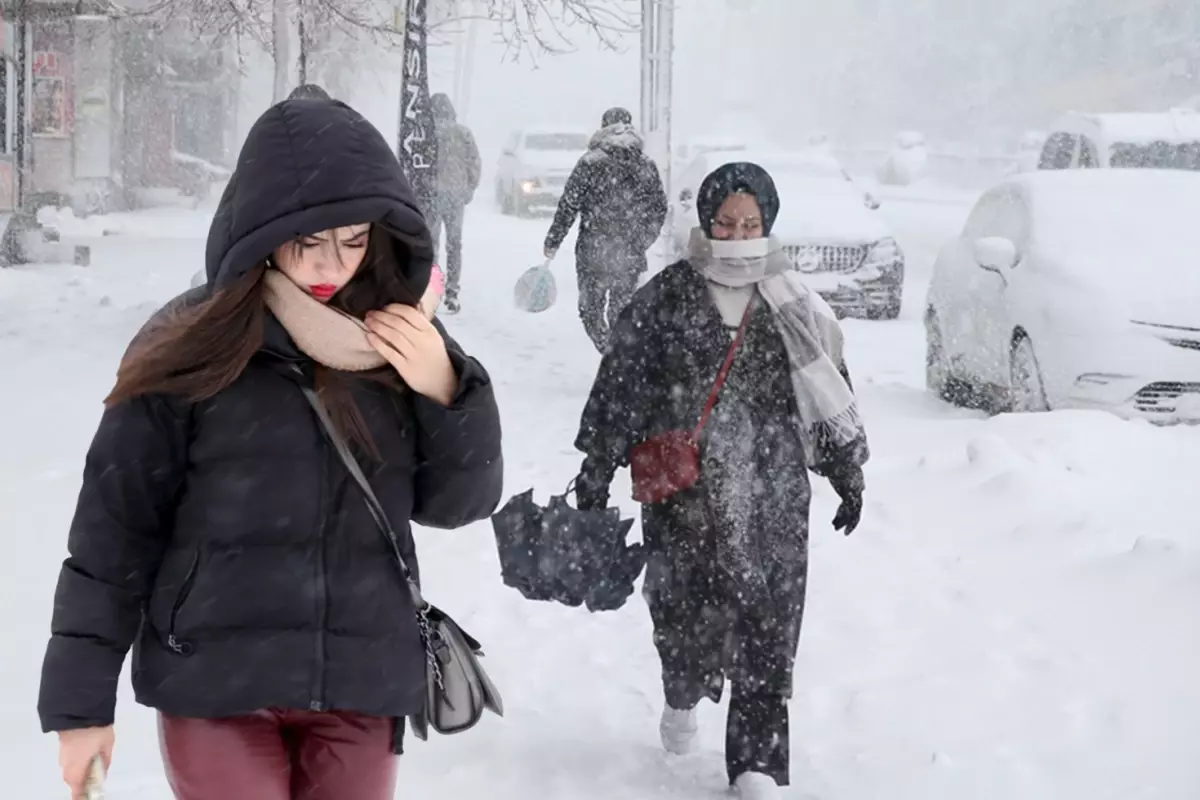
point(218, 533)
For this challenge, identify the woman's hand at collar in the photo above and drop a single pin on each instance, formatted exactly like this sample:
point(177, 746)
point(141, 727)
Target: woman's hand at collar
point(415, 349)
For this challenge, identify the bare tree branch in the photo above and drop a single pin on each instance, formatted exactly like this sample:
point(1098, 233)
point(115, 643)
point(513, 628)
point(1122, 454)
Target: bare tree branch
point(529, 28)
point(540, 27)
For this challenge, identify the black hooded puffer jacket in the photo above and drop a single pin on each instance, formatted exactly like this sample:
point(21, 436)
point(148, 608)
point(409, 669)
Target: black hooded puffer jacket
point(224, 540)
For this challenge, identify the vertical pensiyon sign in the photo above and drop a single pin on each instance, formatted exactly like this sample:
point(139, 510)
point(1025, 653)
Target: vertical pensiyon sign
point(418, 145)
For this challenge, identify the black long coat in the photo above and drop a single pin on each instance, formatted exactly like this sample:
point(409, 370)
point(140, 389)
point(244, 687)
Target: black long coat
point(728, 567)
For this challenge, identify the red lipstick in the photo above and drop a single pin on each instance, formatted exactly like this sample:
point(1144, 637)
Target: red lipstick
point(322, 291)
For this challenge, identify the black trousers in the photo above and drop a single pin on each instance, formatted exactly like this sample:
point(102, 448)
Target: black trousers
point(708, 634)
point(449, 214)
point(757, 726)
point(603, 294)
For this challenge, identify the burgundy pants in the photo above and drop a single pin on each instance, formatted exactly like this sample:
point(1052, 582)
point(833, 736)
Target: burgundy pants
point(279, 754)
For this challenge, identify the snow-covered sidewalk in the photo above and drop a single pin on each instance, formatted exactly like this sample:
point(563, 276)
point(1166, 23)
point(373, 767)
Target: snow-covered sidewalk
point(1016, 617)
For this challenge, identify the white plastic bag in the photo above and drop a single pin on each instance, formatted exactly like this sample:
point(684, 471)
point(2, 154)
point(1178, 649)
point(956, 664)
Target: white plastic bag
point(536, 289)
point(94, 786)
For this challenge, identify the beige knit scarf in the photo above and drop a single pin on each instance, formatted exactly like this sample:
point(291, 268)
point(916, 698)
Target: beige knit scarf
point(323, 333)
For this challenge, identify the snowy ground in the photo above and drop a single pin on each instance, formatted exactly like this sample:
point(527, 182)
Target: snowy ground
point(1016, 617)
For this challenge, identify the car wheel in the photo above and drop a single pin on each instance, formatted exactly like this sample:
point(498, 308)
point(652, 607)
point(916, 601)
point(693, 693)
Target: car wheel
point(888, 310)
point(1026, 390)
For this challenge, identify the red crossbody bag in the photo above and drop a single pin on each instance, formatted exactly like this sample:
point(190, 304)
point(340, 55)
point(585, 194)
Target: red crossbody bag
point(668, 463)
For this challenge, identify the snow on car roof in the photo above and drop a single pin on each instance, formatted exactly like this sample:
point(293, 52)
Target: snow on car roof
point(544, 131)
point(1132, 231)
point(784, 161)
point(1106, 215)
point(1065, 182)
point(1146, 127)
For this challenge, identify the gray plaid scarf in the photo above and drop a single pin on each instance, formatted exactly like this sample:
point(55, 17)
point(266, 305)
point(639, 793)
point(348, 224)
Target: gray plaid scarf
point(829, 417)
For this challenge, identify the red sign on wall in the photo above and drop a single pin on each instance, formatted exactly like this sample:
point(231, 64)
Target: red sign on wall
point(46, 63)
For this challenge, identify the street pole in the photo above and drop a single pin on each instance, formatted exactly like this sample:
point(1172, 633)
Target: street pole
point(21, 117)
point(280, 32)
point(464, 99)
point(649, 24)
point(303, 32)
point(658, 45)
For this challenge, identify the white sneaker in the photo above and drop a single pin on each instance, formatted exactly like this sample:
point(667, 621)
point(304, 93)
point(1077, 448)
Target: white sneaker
point(678, 729)
point(756, 786)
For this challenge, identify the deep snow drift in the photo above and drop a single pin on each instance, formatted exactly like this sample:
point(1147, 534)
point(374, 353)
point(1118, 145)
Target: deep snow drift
point(1015, 618)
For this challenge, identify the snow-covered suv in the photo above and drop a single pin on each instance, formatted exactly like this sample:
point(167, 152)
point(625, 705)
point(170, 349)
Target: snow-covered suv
point(830, 227)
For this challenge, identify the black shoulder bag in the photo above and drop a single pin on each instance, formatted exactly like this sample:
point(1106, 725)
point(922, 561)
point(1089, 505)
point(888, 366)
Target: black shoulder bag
point(457, 688)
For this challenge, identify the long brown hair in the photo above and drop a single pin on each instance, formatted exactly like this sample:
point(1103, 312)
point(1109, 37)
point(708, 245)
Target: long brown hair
point(197, 351)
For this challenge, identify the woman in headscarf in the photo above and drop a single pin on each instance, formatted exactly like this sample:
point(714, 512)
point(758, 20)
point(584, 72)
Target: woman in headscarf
point(733, 329)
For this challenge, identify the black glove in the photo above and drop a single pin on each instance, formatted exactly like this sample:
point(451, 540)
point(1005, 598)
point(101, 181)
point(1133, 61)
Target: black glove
point(590, 495)
point(849, 513)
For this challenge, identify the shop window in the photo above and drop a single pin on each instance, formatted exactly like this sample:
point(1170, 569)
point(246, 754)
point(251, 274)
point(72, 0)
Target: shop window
point(48, 111)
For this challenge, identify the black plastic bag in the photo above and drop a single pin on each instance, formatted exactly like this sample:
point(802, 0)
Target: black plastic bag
point(566, 555)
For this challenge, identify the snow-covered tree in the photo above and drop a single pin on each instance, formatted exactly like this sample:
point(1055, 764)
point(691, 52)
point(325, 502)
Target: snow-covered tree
point(336, 30)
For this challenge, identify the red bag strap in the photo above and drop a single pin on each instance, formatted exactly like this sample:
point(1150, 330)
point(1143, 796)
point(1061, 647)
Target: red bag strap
point(723, 373)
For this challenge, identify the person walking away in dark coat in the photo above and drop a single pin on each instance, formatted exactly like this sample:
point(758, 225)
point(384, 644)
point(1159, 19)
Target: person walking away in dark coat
point(618, 195)
point(218, 533)
point(726, 578)
point(459, 169)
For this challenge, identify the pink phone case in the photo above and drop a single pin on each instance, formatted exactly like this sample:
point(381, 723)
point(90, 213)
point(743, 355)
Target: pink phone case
point(432, 298)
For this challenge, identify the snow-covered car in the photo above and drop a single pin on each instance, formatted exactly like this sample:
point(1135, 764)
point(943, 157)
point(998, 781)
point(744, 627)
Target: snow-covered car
point(828, 224)
point(1029, 151)
point(1072, 289)
point(534, 168)
point(906, 163)
point(688, 151)
point(1159, 140)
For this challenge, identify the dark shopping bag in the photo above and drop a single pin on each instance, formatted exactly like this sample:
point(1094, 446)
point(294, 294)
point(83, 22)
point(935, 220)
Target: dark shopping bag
point(560, 553)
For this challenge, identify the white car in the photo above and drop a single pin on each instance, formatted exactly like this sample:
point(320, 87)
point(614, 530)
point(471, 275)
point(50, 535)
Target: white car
point(693, 148)
point(829, 225)
point(907, 161)
point(1073, 289)
point(534, 168)
point(1029, 151)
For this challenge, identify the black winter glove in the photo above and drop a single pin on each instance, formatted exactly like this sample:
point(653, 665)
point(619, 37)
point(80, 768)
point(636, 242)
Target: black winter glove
point(849, 513)
point(590, 495)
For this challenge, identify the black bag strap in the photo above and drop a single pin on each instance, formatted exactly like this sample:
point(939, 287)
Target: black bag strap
point(373, 505)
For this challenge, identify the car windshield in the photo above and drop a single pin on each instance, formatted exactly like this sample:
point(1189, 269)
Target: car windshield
point(556, 141)
point(1156, 155)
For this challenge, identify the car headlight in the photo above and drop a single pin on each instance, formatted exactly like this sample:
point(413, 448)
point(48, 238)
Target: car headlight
point(884, 252)
point(528, 186)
